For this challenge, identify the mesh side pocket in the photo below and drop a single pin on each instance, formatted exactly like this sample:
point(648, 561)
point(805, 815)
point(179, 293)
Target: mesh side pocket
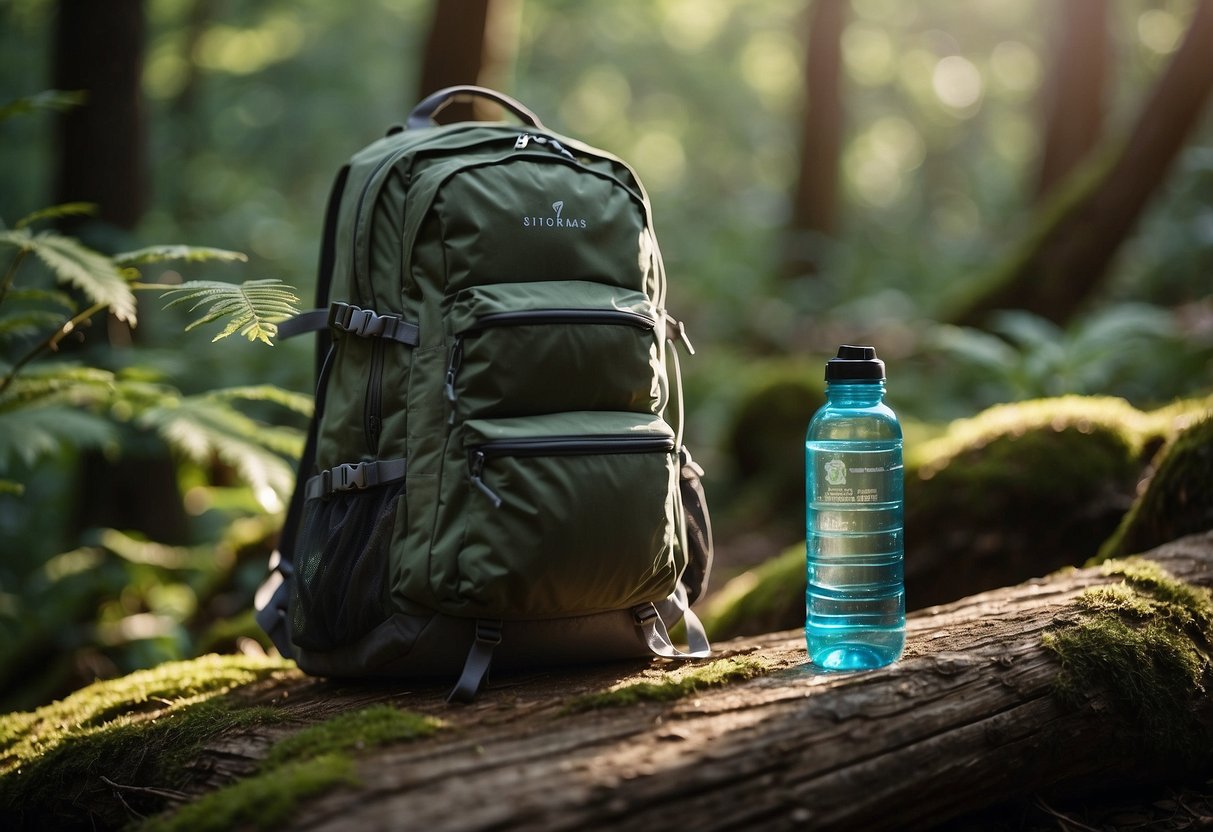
point(340, 590)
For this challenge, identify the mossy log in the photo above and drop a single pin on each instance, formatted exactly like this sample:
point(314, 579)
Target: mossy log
point(1017, 491)
point(1092, 676)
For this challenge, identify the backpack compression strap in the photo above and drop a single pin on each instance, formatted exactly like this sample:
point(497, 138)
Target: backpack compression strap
point(657, 637)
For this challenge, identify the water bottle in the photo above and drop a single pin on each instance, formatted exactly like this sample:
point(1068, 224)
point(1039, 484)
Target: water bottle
point(855, 612)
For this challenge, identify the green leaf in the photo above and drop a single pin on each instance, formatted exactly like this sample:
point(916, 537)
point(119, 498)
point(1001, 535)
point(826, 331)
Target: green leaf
point(54, 100)
point(32, 322)
point(92, 273)
point(253, 306)
point(16, 237)
point(67, 209)
point(62, 299)
point(298, 402)
point(30, 433)
point(202, 428)
point(16, 489)
point(58, 383)
point(189, 254)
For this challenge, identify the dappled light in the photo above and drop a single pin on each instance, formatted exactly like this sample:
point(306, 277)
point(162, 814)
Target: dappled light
point(1012, 202)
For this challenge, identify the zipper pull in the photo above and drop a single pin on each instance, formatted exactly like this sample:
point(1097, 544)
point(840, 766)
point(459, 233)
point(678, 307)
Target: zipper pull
point(452, 368)
point(476, 468)
point(522, 141)
point(680, 331)
point(559, 148)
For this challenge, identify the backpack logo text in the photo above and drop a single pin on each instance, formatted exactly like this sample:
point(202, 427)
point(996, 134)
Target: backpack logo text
point(556, 221)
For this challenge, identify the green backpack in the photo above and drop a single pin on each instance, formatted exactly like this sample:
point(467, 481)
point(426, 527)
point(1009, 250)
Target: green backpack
point(491, 473)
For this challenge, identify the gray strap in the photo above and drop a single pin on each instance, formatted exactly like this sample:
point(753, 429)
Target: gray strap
point(365, 323)
point(310, 321)
point(355, 477)
point(657, 637)
point(480, 657)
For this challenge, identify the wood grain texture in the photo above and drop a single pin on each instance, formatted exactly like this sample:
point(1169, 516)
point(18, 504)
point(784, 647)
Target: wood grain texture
point(967, 719)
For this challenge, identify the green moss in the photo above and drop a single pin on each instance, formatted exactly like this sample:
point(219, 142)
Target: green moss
point(152, 720)
point(1044, 445)
point(760, 600)
point(133, 700)
point(1176, 499)
point(1146, 642)
point(675, 685)
point(264, 801)
point(356, 730)
point(303, 765)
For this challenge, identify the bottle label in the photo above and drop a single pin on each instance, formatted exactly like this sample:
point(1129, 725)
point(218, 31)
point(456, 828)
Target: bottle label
point(855, 477)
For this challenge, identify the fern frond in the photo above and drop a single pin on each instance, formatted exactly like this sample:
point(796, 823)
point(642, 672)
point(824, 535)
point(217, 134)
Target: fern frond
point(15, 237)
point(30, 433)
point(56, 100)
point(189, 254)
point(298, 402)
point(54, 212)
point(59, 383)
point(33, 322)
point(253, 306)
point(201, 428)
point(62, 299)
point(92, 273)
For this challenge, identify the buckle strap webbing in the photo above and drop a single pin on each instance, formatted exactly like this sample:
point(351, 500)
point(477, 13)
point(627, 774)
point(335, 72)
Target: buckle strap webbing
point(657, 637)
point(365, 323)
point(355, 476)
point(313, 320)
point(480, 657)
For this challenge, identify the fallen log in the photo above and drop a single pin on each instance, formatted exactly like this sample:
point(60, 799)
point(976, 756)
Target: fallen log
point(1092, 676)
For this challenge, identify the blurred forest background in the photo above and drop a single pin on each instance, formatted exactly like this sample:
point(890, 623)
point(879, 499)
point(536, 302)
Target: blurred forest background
point(1009, 199)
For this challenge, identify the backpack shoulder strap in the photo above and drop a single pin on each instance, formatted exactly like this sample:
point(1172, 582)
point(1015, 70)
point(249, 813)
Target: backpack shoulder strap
point(272, 596)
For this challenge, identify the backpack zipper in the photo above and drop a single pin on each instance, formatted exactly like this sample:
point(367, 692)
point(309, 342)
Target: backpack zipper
point(410, 230)
point(558, 446)
point(373, 404)
point(373, 182)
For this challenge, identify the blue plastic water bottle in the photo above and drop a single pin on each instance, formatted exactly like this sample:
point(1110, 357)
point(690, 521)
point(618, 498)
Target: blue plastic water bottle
point(855, 610)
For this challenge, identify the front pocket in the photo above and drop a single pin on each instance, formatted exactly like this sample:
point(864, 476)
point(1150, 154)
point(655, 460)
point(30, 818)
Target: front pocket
point(568, 513)
point(340, 587)
point(532, 348)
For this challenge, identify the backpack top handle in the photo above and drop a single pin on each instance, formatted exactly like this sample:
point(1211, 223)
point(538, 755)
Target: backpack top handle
point(423, 114)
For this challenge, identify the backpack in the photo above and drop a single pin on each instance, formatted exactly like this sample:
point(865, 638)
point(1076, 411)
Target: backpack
point(494, 471)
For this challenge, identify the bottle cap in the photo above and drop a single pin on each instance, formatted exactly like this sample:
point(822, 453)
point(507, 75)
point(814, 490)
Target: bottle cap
point(855, 363)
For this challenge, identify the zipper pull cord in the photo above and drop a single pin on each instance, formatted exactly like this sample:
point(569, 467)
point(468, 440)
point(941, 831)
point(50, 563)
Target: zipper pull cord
point(550, 143)
point(476, 466)
point(452, 369)
point(681, 332)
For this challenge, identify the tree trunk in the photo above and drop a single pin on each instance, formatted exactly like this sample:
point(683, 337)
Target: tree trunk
point(1074, 96)
point(102, 158)
point(469, 42)
point(815, 200)
point(1067, 257)
point(102, 155)
point(968, 719)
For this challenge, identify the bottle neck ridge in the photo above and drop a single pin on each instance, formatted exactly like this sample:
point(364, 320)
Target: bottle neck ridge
point(865, 391)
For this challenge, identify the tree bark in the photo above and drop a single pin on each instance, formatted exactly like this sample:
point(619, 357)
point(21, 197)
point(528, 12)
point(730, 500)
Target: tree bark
point(469, 42)
point(1074, 96)
point(815, 200)
point(969, 718)
point(102, 158)
point(1067, 257)
point(102, 155)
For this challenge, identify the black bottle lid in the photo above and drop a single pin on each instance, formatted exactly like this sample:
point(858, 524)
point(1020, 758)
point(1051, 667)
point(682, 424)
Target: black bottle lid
point(855, 364)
